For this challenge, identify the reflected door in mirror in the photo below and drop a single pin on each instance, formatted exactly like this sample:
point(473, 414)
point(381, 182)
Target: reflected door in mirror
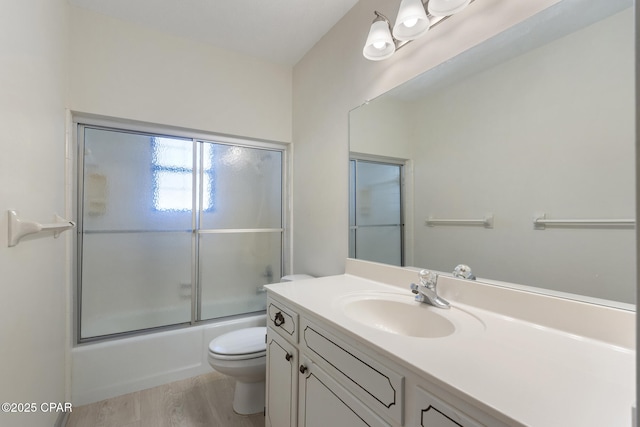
point(375, 211)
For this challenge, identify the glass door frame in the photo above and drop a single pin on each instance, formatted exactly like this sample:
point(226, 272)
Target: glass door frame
point(404, 165)
point(79, 121)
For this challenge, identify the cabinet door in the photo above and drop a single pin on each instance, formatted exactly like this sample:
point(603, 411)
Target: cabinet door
point(282, 382)
point(324, 402)
point(369, 379)
point(436, 413)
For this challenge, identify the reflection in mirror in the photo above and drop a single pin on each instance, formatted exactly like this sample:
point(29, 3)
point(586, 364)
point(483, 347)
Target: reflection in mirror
point(375, 211)
point(537, 120)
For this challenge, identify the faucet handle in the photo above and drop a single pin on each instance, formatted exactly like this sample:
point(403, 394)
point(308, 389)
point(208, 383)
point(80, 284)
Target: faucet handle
point(463, 272)
point(428, 277)
point(416, 290)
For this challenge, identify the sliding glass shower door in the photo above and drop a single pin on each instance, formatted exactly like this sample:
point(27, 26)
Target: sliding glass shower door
point(173, 230)
point(241, 232)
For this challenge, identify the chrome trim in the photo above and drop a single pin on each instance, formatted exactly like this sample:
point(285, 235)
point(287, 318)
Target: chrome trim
point(134, 231)
point(240, 230)
point(355, 227)
point(196, 203)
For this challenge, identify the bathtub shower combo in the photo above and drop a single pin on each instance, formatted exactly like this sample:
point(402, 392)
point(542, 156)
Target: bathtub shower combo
point(177, 233)
point(174, 230)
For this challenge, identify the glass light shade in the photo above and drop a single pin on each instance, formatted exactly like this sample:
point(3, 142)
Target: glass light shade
point(379, 44)
point(412, 20)
point(446, 7)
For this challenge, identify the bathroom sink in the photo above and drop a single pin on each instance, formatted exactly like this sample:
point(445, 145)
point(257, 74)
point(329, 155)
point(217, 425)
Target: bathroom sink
point(399, 314)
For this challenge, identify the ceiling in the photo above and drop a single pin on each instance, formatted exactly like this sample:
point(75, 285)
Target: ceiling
point(280, 31)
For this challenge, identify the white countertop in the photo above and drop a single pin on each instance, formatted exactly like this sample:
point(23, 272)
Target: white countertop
point(533, 374)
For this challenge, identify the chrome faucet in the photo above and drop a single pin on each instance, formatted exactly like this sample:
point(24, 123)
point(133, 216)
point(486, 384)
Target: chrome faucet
point(426, 290)
point(463, 272)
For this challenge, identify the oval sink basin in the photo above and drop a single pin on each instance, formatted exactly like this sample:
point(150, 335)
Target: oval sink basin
point(400, 314)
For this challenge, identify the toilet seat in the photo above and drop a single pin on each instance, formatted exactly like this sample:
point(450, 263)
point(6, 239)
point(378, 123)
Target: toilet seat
point(248, 343)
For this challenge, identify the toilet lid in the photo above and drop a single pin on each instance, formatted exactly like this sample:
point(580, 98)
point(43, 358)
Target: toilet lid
point(242, 341)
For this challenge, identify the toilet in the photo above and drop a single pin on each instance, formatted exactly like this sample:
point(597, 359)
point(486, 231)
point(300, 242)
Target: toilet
point(242, 354)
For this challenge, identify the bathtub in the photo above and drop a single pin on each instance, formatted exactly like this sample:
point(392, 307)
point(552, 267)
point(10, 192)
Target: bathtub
point(111, 368)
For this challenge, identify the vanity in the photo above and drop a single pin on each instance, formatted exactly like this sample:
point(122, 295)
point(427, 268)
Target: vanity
point(357, 350)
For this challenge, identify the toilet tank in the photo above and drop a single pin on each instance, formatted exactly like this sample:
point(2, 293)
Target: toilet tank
point(292, 277)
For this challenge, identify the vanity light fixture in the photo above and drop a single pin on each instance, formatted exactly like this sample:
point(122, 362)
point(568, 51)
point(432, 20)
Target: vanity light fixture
point(413, 20)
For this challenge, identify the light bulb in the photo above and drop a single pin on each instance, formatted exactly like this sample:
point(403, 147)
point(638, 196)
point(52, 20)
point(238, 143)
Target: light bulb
point(379, 45)
point(410, 22)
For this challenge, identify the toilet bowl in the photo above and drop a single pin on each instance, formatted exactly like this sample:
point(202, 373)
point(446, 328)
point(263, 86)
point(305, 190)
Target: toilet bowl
point(241, 355)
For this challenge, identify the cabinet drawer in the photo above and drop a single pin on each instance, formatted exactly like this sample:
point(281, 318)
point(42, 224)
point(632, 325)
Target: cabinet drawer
point(371, 381)
point(283, 320)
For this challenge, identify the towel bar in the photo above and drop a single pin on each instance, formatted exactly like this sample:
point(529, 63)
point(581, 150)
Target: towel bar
point(486, 222)
point(540, 222)
point(18, 228)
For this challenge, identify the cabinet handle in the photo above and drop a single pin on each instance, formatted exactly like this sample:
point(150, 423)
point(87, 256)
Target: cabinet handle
point(288, 356)
point(279, 319)
point(303, 369)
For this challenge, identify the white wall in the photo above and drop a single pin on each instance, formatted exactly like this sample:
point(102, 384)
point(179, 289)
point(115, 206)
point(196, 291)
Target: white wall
point(381, 129)
point(33, 284)
point(334, 78)
point(123, 70)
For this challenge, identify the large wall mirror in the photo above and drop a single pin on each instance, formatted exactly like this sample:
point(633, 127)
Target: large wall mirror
point(535, 123)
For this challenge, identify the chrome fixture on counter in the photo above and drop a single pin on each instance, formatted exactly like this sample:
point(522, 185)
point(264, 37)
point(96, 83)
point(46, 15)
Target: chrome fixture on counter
point(463, 271)
point(426, 290)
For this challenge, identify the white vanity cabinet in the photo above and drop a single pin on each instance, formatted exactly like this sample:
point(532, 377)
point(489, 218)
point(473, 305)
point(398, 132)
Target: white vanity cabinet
point(299, 392)
point(369, 355)
point(316, 377)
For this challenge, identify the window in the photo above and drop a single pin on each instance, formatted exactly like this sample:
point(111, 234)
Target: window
point(172, 166)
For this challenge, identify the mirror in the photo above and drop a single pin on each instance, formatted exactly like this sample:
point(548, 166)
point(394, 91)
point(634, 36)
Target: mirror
point(537, 122)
